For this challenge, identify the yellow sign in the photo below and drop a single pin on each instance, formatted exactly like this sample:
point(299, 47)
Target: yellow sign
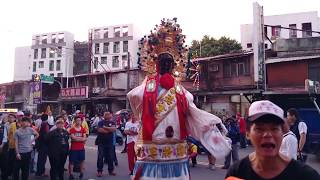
point(8, 110)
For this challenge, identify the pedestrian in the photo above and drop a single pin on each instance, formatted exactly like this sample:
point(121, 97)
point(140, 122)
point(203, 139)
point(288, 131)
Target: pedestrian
point(289, 145)
point(84, 123)
point(123, 122)
point(77, 150)
point(131, 130)
point(50, 119)
point(115, 159)
point(242, 126)
point(193, 153)
point(14, 125)
point(3, 148)
point(234, 135)
point(264, 129)
point(300, 129)
point(57, 141)
point(104, 141)
point(41, 147)
point(33, 162)
point(23, 142)
point(38, 121)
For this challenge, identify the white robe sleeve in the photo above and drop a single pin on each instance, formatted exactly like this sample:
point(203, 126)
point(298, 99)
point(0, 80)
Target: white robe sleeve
point(197, 119)
point(200, 125)
point(135, 97)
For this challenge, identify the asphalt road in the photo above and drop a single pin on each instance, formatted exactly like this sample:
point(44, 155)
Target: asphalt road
point(199, 172)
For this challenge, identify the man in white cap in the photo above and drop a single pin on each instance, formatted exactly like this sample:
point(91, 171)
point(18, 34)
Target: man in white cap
point(265, 131)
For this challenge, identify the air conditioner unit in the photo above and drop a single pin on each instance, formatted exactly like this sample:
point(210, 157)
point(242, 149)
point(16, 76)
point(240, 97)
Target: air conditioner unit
point(96, 90)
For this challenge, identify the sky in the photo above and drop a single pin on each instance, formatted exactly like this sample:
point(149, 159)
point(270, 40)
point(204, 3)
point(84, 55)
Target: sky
point(20, 19)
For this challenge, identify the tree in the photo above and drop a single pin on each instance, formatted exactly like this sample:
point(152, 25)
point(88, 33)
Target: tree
point(212, 47)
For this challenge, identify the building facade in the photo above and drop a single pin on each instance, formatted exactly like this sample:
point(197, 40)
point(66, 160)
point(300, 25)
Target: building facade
point(111, 45)
point(308, 21)
point(22, 67)
point(227, 84)
point(52, 54)
point(81, 55)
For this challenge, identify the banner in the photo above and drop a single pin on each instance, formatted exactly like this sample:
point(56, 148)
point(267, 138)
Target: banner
point(74, 93)
point(36, 92)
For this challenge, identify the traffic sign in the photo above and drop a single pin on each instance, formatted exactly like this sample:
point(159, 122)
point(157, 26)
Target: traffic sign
point(46, 79)
point(43, 78)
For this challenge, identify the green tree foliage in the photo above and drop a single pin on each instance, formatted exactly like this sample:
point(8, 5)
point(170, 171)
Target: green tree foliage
point(212, 47)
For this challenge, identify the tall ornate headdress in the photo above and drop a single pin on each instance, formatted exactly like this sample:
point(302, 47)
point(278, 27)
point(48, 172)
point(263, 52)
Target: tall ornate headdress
point(166, 38)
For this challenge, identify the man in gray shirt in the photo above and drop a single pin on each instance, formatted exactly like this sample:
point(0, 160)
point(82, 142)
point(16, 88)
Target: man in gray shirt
point(23, 142)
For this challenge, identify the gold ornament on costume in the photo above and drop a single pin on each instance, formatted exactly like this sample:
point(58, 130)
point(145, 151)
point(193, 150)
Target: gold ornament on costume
point(166, 38)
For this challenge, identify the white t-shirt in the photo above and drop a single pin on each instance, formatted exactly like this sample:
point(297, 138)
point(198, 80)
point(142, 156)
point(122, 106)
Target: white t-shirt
point(51, 121)
point(38, 123)
point(302, 127)
point(289, 145)
point(132, 127)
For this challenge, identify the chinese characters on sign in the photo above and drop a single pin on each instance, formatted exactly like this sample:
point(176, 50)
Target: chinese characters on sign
point(72, 93)
point(36, 92)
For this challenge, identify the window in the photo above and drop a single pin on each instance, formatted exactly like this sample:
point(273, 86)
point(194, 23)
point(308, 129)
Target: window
point(124, 61)
point(103, 60)
point(41, 64)
point(233, 69)
point(58, 65)
point(236, 68)
point(116, 48)
point(44, 39)
point(241, 69)
point(213, 67)
point(96, 34)
point(266, 31)
point(276, 31)
point(106, 33)
point(266, 46)
point(37, 40)
point(105, 48)
point(35, 54)
point(249, 45)
point(96, 48)
point(292, 32)
point(116, 32)
point(59, 52)
point(95, 63)
point(125, 31)
point(51, 65)
point(61, 38)
point(52, 51)
point(115, 61)
point(53, 38)
point(52, 74)
point(125, 46)
point(43, 53)
point(60, 74)
point(307, 28)
point(34, 67)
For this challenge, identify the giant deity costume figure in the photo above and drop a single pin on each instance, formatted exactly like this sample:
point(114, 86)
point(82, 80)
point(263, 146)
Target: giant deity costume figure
point(168, 114)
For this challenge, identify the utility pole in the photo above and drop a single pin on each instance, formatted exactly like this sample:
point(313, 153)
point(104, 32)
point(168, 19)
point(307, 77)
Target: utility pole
point(128, 80)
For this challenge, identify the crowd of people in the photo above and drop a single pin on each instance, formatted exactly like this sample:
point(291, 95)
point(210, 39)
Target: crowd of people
point(26, 144)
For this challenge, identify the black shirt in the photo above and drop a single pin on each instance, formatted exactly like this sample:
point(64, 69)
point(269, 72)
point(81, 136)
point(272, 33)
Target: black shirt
point(57, 141)
point(105, 138)
point(294, 171)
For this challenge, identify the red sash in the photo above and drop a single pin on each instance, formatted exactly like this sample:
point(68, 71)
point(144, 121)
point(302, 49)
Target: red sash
point(149, 110)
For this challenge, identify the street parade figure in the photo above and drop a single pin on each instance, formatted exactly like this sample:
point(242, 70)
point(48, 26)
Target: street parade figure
point(166, 109)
